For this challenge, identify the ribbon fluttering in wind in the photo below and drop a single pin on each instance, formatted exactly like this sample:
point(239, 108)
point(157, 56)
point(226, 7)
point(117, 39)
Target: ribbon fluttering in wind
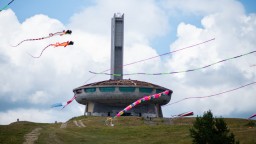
point(139, 101)
point(182, 115)
point(58, 104)
point(176, 72)
point(70, 101)
point(63, 104)
point(3, 8)
point(252, 116)
point(64, 44)
point(186, 114)
point(191, 46)
point(50, 35)
point(213, 95)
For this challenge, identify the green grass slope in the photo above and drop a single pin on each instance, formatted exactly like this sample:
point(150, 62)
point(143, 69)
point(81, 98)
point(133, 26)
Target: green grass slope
point(14, 133)
point(126, 130)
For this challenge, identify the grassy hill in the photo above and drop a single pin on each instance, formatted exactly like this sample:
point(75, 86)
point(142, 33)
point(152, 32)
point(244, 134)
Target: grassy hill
point(126, 130)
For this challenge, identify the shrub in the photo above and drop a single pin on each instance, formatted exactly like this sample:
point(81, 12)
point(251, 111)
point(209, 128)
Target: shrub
point(211, 130)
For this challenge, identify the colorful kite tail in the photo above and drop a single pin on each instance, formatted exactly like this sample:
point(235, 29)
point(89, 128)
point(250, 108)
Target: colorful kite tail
point(56, 105)
point(137, 102)
point(29, 40)
point(254, 115)
point(69, 101)
point(41, 52)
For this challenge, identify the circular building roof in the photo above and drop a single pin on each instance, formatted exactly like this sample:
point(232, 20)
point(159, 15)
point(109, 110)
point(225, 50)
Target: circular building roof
point(123, 82)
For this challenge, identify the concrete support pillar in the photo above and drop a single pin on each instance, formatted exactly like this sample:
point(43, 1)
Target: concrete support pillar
point(90, 106)
point(158, 110)
point(85, 109)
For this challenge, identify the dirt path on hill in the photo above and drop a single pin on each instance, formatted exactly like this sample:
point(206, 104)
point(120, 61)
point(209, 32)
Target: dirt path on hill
point(32, 136)
point(79, 123)
point(64, 125)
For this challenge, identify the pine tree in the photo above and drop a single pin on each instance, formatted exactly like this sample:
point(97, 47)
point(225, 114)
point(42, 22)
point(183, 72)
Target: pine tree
point(209, 130)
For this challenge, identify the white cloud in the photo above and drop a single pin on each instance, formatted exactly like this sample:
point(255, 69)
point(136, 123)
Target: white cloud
point(39, 97)
point(139, 52)
point(143, 19)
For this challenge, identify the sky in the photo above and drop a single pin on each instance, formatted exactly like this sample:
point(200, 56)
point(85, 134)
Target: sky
point(29, 86)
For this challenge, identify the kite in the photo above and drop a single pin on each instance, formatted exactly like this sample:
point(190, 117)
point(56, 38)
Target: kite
point(6, 6)
point(58, 104)
point(191, 46)
point(252, 116)
point(182, 115)
point(64, 104)
point(253, 65)
point(145, 98)
point(186, 114)
point(212, 94)
point(68, 102)
point(50, 35)
point(64, 44)
point(175, 72)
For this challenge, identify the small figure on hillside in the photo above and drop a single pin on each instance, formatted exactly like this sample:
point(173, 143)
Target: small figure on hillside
point(109, 121)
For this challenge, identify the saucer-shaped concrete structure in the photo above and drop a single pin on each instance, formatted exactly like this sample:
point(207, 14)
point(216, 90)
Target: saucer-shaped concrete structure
point(106, 98)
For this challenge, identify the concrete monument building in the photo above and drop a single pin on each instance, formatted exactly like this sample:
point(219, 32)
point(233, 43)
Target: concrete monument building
point(107, 98)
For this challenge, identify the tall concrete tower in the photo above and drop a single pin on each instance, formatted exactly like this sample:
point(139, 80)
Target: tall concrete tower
point(117, 42)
